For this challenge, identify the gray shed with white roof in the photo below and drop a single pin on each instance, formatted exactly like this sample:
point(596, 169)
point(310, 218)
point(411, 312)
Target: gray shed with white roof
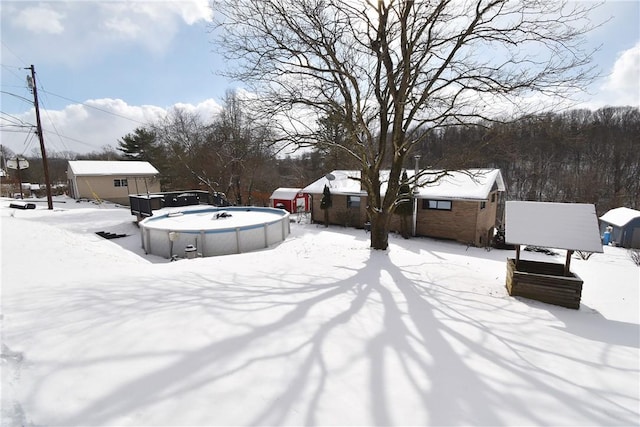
point(625, 227)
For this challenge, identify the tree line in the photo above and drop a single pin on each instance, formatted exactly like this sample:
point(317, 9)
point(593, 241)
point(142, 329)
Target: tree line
point(579, 156)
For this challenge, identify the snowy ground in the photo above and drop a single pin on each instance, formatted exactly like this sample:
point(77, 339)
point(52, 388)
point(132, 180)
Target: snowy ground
point(318, 330)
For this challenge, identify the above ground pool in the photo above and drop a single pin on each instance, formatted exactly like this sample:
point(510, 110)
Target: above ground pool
point(210, 231)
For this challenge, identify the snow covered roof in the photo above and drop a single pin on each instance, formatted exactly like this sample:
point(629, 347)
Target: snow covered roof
point(285, 193)
point(342, 182)
point(570, 226)
point(106, 167)
point(620, 216)
point(469, 184)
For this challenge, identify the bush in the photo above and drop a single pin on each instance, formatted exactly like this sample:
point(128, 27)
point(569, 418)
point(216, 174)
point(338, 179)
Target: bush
point(584, 255)
point(634, 254)
point(538, 249)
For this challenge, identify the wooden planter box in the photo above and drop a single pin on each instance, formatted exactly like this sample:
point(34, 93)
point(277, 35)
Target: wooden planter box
point(543, 281)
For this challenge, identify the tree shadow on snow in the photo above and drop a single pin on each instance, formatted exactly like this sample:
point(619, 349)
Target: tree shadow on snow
point(419, 343)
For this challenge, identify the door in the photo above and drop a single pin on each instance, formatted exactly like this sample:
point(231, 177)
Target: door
point(635, 238)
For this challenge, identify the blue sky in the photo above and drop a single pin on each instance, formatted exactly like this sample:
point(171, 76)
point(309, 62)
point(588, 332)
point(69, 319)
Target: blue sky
point(137, 60)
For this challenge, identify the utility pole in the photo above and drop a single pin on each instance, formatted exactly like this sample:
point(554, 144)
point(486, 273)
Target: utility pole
point(45, 164)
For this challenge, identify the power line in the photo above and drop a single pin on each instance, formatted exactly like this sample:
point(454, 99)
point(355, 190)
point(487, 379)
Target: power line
point(72, 139)
point(96, 108)
point(46, 111)
point(13, 119)
point(11, 68)
point(30, 136)
point(14, 54)
point(17, 96)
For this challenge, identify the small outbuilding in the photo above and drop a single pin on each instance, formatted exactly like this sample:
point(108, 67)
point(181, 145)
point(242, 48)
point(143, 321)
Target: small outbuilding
point(111, 180)
point(623, 225)
point(293, 200)
point(568, 226)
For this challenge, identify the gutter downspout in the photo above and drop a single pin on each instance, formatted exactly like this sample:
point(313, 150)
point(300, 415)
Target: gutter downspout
point(415, 194)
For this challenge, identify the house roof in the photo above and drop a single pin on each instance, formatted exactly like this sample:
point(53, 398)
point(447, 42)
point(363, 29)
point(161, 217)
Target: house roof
point(285, 193)
point(570, 226)
point(469, 184)
point(118, 167)
point(620, 216)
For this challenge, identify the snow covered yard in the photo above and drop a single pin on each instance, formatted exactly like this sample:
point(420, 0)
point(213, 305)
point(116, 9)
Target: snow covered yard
point(318, 330)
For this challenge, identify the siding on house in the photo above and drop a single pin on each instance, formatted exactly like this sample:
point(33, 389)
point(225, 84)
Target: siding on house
point(466, 222)
point(111, 180)
point(340, 213)
point(458, 224)
point(471, 220)
point(103, 187)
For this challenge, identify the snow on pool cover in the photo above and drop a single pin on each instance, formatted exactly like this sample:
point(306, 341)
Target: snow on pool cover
point(213, 231)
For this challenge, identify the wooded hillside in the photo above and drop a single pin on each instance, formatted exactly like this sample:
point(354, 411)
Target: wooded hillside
point(576, 156)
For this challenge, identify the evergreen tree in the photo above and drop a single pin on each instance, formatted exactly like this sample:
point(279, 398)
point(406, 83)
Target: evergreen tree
point(325, 204)
point(140, 145)
point(404, 206)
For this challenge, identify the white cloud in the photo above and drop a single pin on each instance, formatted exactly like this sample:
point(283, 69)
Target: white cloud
point(194, 11)
point(151, 24)
point(40, 19)
point(94, 29)
point(624, 80)
point(88, 127)
point(206, 109)
point(124, 27)
point(191, 11)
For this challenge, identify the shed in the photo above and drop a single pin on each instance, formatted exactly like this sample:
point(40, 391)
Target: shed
point(568, 226)
point(625, 227)
point(291, 199)
point(111, 180)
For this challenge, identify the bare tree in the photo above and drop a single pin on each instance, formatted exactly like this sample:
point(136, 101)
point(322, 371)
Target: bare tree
point(182, 136)
point(243, 148)
point(392, 70)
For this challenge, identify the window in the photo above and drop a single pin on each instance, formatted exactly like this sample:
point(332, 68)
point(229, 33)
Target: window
point(493, 197)
point(483, 205)
point(353, 201)
point(120, 182)
point(444, 205)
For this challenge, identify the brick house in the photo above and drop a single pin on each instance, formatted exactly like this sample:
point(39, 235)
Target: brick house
point(461, 205)
point(111, 180)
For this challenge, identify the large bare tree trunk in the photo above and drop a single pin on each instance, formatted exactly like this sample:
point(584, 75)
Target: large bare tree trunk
point(380, 230)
